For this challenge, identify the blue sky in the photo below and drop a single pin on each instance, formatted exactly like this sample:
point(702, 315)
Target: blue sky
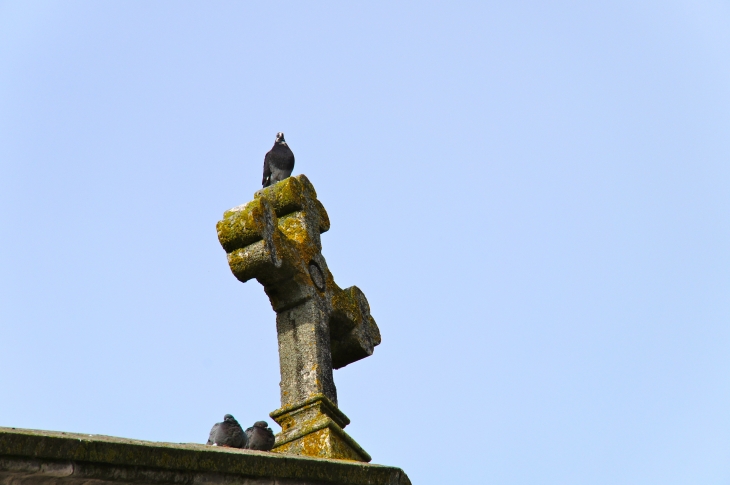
point(533, 196)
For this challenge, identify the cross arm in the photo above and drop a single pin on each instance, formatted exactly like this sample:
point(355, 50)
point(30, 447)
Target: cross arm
point(353, 331)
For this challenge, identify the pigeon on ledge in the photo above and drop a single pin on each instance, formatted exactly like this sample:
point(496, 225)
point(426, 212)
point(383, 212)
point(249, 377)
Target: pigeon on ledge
point(260, 437)
point(278, 162)
point(228, 433)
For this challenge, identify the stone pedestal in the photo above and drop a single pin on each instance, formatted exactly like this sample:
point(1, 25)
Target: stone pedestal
point(314, 428)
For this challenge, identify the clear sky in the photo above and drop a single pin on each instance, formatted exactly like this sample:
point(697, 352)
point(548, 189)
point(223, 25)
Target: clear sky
point(534, 196)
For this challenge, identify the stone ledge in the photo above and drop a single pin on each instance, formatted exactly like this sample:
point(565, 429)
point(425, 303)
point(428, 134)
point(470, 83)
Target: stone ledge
point(48, 457)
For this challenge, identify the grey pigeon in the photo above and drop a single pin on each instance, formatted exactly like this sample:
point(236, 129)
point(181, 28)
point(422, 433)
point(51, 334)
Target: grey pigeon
point(278, 162)
point(228, 433)
point(260, 437)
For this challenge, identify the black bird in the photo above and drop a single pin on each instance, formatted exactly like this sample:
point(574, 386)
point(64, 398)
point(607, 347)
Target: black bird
point(228, 433)
point(278, 162)
point(260, 437)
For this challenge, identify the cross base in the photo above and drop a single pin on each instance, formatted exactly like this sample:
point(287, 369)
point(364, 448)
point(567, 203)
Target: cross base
point(314, 428)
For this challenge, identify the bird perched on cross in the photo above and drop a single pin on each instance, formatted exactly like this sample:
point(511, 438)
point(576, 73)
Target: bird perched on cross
point(278, 162)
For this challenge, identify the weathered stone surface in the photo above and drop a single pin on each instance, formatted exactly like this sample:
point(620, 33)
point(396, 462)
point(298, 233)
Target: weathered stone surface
point(276, 239)
point(45, 457)
point(314, 428)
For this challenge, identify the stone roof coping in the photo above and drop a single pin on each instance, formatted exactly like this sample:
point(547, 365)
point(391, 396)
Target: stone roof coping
point(54, 457)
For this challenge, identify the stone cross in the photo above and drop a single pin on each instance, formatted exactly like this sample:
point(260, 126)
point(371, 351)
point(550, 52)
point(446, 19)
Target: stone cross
point(275, 238)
